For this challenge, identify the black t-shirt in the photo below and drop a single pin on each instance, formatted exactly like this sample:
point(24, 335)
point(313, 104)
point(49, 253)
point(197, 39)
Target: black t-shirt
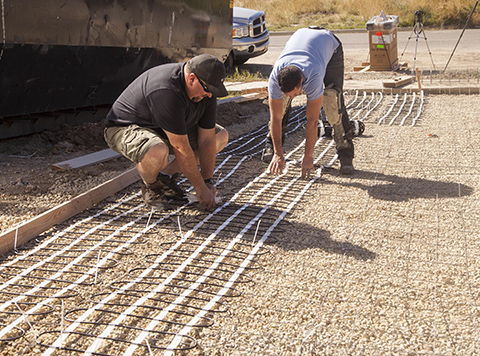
point(157, 100)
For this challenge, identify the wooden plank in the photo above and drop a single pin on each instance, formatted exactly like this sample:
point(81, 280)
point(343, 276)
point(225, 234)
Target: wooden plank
point(366, 69)
point(242, 98)
point(418, 79)
point(358, 68)
point(32, 228)
point(399, 81)
point(255, 90)
point(87, 160)
point(361, 68)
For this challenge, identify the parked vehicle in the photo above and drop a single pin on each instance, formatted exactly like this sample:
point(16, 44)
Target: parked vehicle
point(250, 34)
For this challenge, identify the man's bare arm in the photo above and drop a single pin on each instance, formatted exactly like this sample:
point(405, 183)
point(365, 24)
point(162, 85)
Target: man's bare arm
point(206, 151)
point(312, 112)
point(278, 161)
point(188, 164)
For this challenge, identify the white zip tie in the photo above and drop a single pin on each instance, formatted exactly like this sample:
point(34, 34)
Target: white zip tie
point(61, 325)
point(148, 346)
point(179, 226)
point(96, 267)
point(15, 242)
point(150, 217)
point(256, 232)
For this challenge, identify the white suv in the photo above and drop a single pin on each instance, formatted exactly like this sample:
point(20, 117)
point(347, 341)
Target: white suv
point(250, 35)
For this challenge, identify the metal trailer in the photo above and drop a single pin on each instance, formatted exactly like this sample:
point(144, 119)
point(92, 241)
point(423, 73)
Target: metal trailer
point(67, 55)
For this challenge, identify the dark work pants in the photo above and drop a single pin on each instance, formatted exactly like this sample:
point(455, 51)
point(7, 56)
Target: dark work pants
point(334, 75)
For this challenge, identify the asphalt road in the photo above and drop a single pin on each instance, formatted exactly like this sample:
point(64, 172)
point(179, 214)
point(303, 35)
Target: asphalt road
point(433, 49)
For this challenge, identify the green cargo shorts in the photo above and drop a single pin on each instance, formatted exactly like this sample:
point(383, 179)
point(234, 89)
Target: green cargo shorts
point(134, 141)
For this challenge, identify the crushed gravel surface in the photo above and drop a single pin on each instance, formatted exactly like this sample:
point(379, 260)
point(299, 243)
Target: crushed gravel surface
point(383, 262)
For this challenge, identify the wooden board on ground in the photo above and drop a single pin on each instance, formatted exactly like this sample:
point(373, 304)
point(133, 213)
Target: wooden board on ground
point(397, 82)
point(32, 228)
point(260, 90)
point(365, 67)
point(361, 68)
point(87, 160)
point(242, 98)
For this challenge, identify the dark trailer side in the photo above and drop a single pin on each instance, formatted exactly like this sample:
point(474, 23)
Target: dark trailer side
point(67, 55)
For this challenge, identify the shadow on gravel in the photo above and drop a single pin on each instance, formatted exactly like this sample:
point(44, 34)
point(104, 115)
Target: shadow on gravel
point(287, 235)
point(395, 188)
point(306, 237)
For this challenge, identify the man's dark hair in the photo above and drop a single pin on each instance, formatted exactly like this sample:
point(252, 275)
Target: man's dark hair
point(289, 78)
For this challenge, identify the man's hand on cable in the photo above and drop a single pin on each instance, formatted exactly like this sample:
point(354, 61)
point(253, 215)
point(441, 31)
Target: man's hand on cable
point(307, 167)
point(206, 196)
point(277, 165)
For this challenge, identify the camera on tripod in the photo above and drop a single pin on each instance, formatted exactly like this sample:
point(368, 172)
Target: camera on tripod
point(418, 25)
point(418, 16)
point(417, 30)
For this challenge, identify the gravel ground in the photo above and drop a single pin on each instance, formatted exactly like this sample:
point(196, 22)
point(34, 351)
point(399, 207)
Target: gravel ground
point(384, 262)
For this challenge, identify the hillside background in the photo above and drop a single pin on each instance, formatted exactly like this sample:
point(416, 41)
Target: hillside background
point(350, 14)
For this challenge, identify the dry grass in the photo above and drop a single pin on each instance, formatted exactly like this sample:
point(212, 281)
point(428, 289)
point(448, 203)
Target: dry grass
point(287, 14)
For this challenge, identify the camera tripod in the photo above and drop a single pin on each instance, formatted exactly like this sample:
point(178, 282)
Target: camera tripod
point(417, 30)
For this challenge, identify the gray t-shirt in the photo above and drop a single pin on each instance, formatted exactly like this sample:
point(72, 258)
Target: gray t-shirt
point(310, 50)
point(157, 100)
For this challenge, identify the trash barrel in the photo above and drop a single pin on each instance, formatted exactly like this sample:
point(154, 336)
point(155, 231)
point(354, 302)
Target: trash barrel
point(382, 34)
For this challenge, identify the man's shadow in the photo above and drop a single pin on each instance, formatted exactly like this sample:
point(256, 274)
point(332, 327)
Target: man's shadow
point(398, 189)
point(287, 234)
point(300, 236)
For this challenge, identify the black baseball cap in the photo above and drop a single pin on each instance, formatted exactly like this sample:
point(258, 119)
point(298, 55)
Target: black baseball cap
point(211, 71)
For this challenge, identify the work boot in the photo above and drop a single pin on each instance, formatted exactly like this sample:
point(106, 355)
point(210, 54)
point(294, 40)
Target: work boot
point(346, 165)
point(324, 129)
point(358, 127)
point(171, 190)
point(267, 153)
point(154, 195)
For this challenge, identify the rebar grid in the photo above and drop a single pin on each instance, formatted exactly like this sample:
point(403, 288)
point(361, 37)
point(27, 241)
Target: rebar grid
point(178, 290)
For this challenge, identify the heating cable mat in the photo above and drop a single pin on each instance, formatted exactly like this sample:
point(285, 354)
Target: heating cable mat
point(124, 279)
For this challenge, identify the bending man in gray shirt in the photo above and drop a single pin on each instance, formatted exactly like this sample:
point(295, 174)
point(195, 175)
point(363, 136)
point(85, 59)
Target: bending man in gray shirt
point(312, 62)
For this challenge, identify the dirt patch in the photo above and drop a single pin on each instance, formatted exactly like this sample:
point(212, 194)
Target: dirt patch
point(29, 185)
point(234, 113)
